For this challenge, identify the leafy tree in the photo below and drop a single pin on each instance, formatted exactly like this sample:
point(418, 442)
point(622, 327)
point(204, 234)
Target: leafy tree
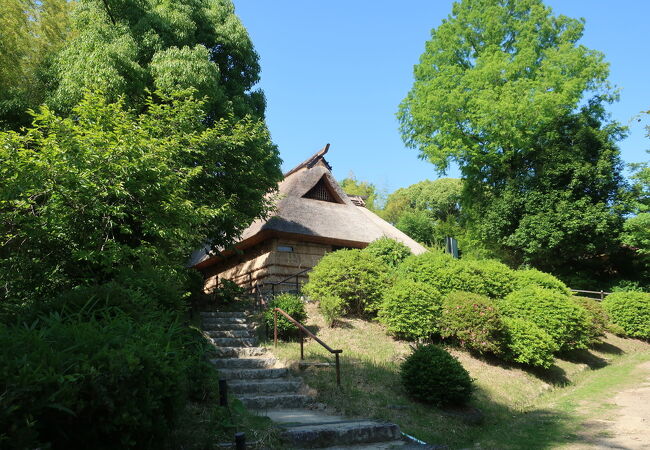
point(351, 185)
point(86, 196)
point(31, 32)
point(427, 211)
point(498, 91)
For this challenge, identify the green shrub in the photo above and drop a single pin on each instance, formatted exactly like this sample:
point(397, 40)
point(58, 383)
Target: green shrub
point(473, 321)
point(389, 251)
point(356, 276)
point(557, 314)
point(107, 383)
point(292, 305)
point(630, 311)
point(431, 375)
point(331, 307)
point(485, 277)
point(411, 309)
point(598, 319)
point(528, 344)
point(534, 277)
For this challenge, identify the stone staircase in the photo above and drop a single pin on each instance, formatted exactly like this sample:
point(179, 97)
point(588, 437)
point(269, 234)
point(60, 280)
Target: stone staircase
point(266, 387)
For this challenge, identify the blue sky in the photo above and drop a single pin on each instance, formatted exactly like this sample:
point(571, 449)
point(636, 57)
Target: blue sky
point(335, 71)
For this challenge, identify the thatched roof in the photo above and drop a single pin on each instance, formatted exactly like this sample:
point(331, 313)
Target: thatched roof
point(335, 220)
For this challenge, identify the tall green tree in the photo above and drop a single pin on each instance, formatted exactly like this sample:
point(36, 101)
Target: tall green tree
point(32, 31)
point(125, 47)
point(84, 197)
point(505, 90)
point(373, 198)
point(427, 211)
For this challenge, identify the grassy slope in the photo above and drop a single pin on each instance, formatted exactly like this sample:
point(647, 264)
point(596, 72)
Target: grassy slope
point(522, 408)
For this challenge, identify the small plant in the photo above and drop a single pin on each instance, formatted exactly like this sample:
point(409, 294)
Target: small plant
point(431, 375)
point(534, 277)
point(227, 292)
point(565, 321)
point(630, 311)
point(528, 344)
point(356, 276)
point(598, 319)
point(411, 309)
point(292, 305)
point(473, 321)
point(388, 250)
point(332, 308)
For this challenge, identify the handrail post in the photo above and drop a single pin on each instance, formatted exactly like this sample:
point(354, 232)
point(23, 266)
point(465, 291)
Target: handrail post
point(338, 371)
point(602, 295)
point(273, 290)
point(302, 345)
point(297, 286)
point(275, 327)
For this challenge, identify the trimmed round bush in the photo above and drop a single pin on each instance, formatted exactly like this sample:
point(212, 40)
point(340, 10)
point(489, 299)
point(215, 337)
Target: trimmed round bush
point(485, 277)
point(528, 344)
point(557, 314)
point(630, 311)
point(411, 309)
point(431, 375)
point(292, 305)
point(389, 251)
point(331, 307)
point(597, 316)
point(473, 321)
point(534, 277)
point(358, 277)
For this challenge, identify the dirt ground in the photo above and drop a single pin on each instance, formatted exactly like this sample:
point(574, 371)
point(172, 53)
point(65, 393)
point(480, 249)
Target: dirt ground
point(626, 426)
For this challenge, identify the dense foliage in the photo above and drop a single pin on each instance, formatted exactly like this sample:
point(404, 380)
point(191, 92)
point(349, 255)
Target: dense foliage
point(630, 311)
point(372, 198)
point(427, 211)
point(85, 196)
point(110, 380)
point(533, 277)
point(504, 90)
point(557, 314)
point(292, 305)
point(411, 309)
point(528, 344)
point(485, 277)
point(473, 321)
point(431, 375)
point(331, 307)
point(388, 250)
point(356, 276)
point(596, 315)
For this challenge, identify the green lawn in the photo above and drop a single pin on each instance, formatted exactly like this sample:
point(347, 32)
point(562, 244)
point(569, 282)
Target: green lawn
point(521, 408)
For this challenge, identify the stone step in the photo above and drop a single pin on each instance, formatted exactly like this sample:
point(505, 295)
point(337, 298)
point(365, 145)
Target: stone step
point(246, 333)
point(387, 445)
point(222, 314)
point(265, 386)
point(256, 401)
point(246, 374)
point(223, 320)
point(339, 433)
point(226, 327)
point(239, 352)
point(234, 342)
point(243, 363)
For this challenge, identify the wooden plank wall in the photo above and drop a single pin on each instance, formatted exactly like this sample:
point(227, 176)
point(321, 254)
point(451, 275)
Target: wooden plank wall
point(264, 263)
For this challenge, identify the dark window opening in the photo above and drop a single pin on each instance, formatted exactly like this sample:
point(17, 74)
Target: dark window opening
point(322, 191)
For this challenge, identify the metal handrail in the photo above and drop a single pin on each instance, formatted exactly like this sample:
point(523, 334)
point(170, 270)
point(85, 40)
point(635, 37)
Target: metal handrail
point(304, 330)
point(273, 284)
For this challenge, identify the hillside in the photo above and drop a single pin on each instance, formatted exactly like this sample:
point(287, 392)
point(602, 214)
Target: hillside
point(520, 407)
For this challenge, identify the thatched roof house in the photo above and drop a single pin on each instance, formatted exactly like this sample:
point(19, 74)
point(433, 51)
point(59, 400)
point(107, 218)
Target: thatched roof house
point(313, 216)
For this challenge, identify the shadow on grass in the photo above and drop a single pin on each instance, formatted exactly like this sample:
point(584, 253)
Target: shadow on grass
point(606, 347)
point(372, 390)
point(584, 357)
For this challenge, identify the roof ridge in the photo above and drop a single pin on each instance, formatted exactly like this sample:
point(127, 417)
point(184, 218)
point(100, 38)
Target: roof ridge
point(311, 161)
